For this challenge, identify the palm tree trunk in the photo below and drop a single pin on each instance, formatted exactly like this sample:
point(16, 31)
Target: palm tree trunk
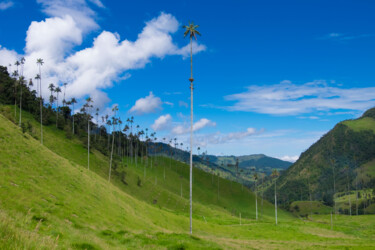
point(275, 204)
point(57, 108)
point(88, 143)
point(21, 104)
point(15, 99)
point(110, 163)
point(262, 196)
point(256, 202)
point(191, 136)
point(41, 106)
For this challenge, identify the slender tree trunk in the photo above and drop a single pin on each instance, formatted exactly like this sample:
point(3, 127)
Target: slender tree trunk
point(262, 195)
point(350, 203)
point(334, 187)
point(73, 118)
point(88, 143)
point(275, 204)
point(191, 136)
point(15, 99)
point(256, 202)
point(110, 163)
point(21, 104)
point(356, 194)
point(41, 106)
point(57, 108)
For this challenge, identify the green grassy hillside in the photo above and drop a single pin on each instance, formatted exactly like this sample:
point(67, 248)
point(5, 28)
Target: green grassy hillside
point(345, 154)
point(51, 201)
point(207, 190)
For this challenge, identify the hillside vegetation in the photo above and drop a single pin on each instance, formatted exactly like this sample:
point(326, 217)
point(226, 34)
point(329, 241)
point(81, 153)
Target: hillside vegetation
point(60, 204)
point(342, 161)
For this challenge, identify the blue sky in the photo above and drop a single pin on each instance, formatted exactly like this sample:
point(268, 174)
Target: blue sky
point(270, 76)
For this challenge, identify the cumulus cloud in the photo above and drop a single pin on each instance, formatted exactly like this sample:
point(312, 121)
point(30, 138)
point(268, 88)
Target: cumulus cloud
point(289, 158)
point(6, 5)
point(79, 10)
point(91, 70)
point(287, 98)
point(202, 123)
point(146, 105)
point(162, 123)
point(7, 56)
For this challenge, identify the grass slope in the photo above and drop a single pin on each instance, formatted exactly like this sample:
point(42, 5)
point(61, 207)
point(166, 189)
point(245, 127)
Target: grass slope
point(48, 201)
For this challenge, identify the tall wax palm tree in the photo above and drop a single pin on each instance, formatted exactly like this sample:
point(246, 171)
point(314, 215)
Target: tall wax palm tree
point(16, 74)
point(64, 101)
point(31, 83)
point(333, 162)
point(347, 181)
point(40, 63)
point(97, 120)
point(51, 87)
point(256, 195)
point(274, 175)
point(73, 101)
point(191, 30)
point(22, 82)
point(57, 90)
point(37, 78)
point(114, 120)
point(88, 107)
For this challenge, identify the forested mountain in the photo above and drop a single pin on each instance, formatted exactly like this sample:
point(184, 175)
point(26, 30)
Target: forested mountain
point(343, 160)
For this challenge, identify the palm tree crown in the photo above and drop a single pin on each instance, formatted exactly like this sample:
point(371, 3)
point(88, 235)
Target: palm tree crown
point(192, 30)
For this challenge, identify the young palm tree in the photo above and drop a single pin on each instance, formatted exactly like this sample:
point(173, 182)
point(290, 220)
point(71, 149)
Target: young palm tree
point(274, 175)
point(191, 30)
point(114, 120)
point(57, 90)
point(72, 101)
point(40, 62)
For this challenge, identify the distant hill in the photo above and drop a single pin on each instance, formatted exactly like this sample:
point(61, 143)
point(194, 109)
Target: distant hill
point(225, 165)
point(346, 154)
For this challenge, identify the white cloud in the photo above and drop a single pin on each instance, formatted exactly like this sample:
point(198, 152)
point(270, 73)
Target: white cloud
point(202, 123)
point(8, 57)
point(185, 51)
point(79, 10)
point(6, 5)
point(169, 104)
point(287, 98)
point(343, 37)
point(97, 3)
point(162, 123)
point(220, 138)
point(183, 104)
point(91, 70)
point(289, 158)
point(146, 105)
